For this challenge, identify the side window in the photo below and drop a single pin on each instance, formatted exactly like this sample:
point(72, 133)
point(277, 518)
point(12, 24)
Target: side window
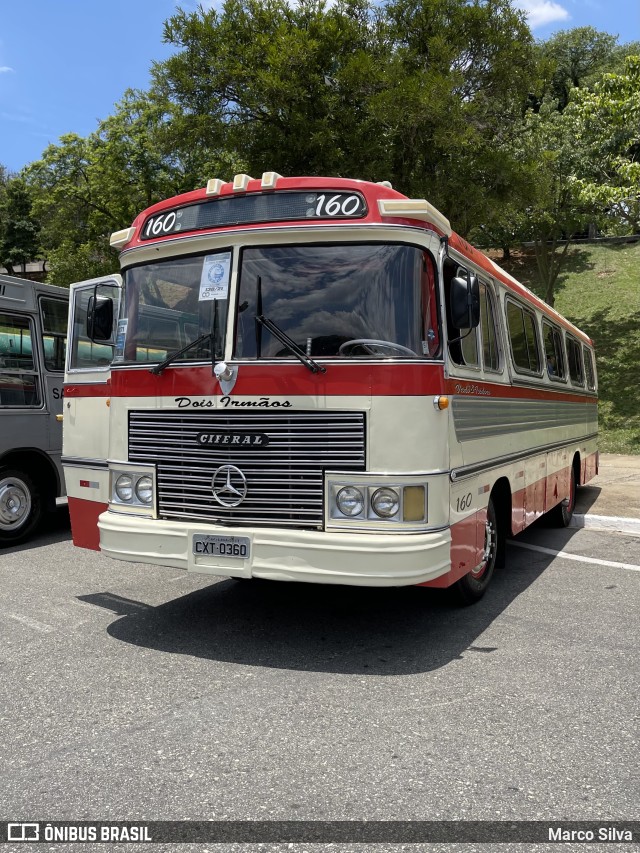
point(54, 314)
point(554, 352)
point(463, 343)
point(469, 346)
point(85, 353)
point(490, 354)
point(19, 383)
point(523, 338)
point(589, 368)
point(575, 361)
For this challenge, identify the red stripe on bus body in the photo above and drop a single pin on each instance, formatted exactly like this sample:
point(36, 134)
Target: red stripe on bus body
point(95, 389)
point(495, 390)
point(410, 380)
point(386, 380)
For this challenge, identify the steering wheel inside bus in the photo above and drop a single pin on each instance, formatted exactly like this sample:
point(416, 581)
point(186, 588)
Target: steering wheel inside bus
point(372, 347)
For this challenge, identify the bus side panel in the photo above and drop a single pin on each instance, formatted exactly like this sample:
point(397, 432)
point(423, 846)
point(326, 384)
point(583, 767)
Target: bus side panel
point(84, 522)
point(558, 476)
point(535, 475)
point(467, 548)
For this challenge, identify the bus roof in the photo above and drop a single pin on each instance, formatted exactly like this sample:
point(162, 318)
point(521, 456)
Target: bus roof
point(22, 293)
point(382, 204)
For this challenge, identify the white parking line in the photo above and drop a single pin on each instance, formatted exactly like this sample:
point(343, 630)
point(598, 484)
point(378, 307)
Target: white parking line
point(31, 623)
point(566, 556)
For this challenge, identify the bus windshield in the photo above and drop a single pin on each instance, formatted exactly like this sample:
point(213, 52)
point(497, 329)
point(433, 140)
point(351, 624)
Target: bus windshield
point(345, 300)
point(170, 304)
point(374, 300)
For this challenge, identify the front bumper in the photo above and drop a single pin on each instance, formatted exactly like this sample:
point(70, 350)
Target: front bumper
point(357, 559)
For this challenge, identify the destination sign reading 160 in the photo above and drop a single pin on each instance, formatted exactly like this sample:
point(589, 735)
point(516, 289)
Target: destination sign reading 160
point(251, 209)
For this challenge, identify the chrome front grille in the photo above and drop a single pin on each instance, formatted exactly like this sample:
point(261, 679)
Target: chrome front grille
point(285, 479)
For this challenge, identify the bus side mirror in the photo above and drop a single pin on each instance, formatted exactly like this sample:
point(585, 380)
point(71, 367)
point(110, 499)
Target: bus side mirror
point(100, 318)
point(465, 301)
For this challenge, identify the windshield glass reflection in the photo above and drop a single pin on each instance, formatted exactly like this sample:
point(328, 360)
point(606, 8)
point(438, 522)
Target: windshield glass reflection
point(349, 300)
point(169, 304)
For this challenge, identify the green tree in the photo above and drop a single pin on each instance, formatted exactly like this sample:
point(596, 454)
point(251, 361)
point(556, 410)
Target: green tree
point(414, 92)
point(571, 59)
point(19, 228)
point(86, 188)
point(607, 120)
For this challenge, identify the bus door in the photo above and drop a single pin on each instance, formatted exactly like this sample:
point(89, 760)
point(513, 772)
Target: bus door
point(53, 318)
point(85, 444)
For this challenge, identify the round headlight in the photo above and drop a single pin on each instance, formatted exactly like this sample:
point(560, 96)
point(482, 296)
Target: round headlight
point(350, 501)
point(385, 503)
point(124, 488)
point(144, 490)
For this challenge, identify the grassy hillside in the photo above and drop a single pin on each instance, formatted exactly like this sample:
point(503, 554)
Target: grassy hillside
point(600, 292)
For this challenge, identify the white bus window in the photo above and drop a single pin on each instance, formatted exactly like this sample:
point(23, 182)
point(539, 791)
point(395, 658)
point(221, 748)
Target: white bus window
point(490, 353)
point(575, 361)
point(54, 332)
point(589, 368)
point(524, 340)
point(19, 385)
point(554, 352)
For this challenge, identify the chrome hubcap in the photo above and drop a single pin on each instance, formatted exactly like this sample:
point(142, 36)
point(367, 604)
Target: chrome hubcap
point(489, 544)
point(15, 504)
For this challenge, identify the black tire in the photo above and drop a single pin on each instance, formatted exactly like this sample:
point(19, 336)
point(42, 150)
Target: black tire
point(21, 506)
point(561, 515)
point(473, 585)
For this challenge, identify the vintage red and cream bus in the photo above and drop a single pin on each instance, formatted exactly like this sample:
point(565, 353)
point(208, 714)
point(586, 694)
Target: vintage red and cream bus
point(315, 379)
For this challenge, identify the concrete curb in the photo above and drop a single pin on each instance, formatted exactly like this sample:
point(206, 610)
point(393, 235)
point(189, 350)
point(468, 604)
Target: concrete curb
point(607, 522)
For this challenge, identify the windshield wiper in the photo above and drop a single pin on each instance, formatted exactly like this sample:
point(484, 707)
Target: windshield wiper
point(293, 347)
point(158, 368)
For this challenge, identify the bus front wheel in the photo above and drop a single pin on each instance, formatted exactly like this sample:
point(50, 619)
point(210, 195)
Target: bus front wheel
point(21, 506)
point(473, 585)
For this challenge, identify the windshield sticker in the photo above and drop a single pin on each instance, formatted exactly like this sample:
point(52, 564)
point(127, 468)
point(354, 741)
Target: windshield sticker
point(121, 334)
point(214, 281)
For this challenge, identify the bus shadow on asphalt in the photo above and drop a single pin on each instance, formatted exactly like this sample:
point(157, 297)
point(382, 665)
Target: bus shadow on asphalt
point(55, 528)
point(333, 629)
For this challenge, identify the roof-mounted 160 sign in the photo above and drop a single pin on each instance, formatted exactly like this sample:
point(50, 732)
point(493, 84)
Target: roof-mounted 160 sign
point(249, 209)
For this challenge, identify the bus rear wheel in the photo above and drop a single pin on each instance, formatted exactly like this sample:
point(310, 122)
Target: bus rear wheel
point(21, 506)
point(473, 585)
point(561, 515)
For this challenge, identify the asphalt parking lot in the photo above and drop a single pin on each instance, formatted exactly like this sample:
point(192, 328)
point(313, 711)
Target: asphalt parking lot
point(138, 692)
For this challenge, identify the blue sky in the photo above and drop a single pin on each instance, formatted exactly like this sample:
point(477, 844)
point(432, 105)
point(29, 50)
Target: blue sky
point(65, 63)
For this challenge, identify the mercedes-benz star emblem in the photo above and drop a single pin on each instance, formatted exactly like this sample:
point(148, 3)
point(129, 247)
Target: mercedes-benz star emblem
point(229, 485)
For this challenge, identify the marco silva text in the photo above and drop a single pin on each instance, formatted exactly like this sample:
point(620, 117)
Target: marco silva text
point(602, 833)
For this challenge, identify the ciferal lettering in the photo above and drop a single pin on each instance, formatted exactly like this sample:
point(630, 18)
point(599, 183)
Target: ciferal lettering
point(237, 439)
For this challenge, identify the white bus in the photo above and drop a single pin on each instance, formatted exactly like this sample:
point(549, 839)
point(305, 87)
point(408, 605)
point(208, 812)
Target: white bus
point(33, 330)
point(316, 379)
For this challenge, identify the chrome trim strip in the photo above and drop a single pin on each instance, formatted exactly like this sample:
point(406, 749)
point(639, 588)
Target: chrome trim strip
point(476, 468)
point(478, 418)
point(78, 462)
